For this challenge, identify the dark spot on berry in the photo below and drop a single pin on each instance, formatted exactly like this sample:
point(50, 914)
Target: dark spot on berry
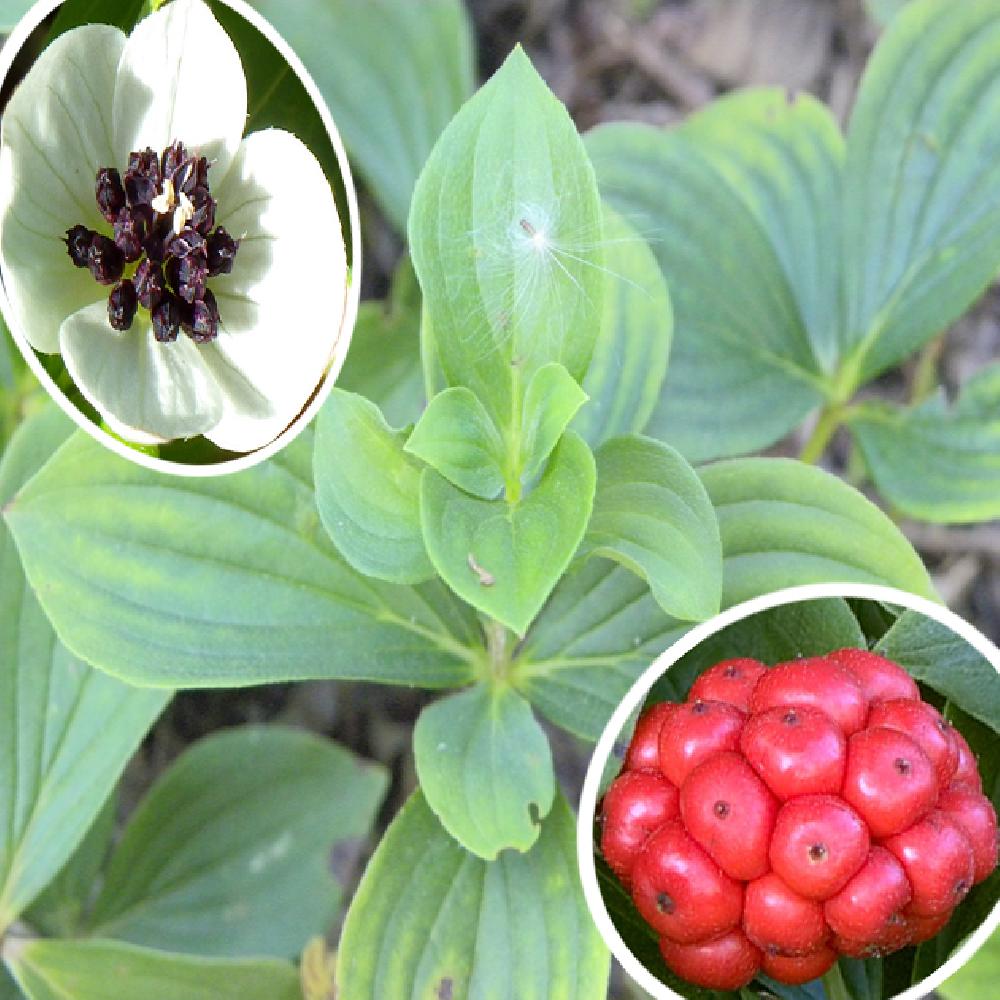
point(790, 718)
point(732, 671)
point(818, 852)
point(961, 888)
point(665, 904)
point(902, 765)
point(699, 708)
point(721, 809)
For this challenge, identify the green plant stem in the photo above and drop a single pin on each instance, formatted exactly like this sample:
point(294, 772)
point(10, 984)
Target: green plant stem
point(498, 649)
point(830, 419)
point(925, 375)
point(834, 985)
point(512, 472)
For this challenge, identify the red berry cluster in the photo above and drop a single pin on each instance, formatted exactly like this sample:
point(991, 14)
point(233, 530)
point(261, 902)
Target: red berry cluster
point(784, 816)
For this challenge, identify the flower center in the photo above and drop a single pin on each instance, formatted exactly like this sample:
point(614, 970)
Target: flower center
point(163, 219)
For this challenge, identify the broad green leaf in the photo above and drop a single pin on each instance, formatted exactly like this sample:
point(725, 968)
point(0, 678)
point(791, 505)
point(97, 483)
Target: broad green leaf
point(784, 523)
point(393, 74)
point(276, 98)
point(70, 729)
point(457, 437)
point(82, 970)
point(383, 363)
point(550, 403)
point(940, 658)
point(368, 491)
point(651, 514)
point(61, 908)
point(505, 234)
point(599, 630)
point(246, 824)
point(485, 768)
point(978, 977)
point(220, 581)
point(504, 558)
point(784, 154)
point(633, 345)
point(883, 11)
point(863, 978)
point(787, 632)
point(448, 924)
point(123, 13)
point(7, 352)
point(742, 368)
point(922, 182)
point(956, 475)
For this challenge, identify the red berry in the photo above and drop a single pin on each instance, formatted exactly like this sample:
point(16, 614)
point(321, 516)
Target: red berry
point(896, 934)
point(975, 814)
point(634, 806)
point(696, 731)
point(889, 780)
point(921, 722)
point(643, 752)
point(819, 844)
point(731, 681)
point(797, 750)
point(967, 770)
point(817, 682)
point(937, 857)
point(730, 813)
point(864, 908)
point(924, 928)
point(881, 679)
point(797, 969)
point(778, 919)
point(727, 962)
point(680, 891)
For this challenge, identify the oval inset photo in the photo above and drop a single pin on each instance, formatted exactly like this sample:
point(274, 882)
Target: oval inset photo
point(802, 791)
point(178, 228)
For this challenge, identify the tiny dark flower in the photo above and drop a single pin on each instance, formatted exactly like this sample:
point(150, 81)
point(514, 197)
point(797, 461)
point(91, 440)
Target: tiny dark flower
point(105, 260)
point(142, 179)
point(173, 156)
point(122, 304)
point(110, 193)
point(149, 284)
point(78, 240)
point(202, 325)
point(204, 210)
point(131, 229)
point(187, 242)
point(166, 319)
point(221, 252)
point(192, 273)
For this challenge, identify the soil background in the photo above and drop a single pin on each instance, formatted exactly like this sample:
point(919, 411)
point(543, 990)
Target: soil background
point(653, 62)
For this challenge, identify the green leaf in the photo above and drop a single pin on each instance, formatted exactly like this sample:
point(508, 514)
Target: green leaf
point(957, 479)
point(550, 403)
point(785, 523)
point(505, 558)
point(883, 11)
point(57, 970)
point(6, 359)
point(633, 344)
point(451, 925)
point(863, 978)
point(485, 768)
point(782, 523)
point(936, 655)
point(60, 910)
point(70, 729)
point(457, 437)
point(784, 154)
point(220, 581)
point(368, 491)
point(505, 234)
point(277, 98)
point(383, 363)
point(652, 514)
point(786, 632)
point(978, 977)
point(122, 13)
point(742, 367)
point(246, 824)
point(393, 74)
point(922, 183)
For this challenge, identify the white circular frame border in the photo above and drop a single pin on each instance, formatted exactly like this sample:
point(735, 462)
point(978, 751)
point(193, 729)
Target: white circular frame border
point(13, 45)
point(637, 694)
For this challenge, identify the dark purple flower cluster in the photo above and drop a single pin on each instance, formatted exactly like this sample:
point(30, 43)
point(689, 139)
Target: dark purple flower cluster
point(163, 219)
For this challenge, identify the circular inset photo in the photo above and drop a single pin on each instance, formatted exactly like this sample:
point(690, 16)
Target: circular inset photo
point(178, 228)
point(804, 789)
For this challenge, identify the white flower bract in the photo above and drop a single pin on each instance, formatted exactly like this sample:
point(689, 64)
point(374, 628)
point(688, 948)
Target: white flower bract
point(92, 97)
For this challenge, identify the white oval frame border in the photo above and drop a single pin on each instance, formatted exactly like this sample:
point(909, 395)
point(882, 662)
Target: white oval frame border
point(11, 47)
point(637, 694)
